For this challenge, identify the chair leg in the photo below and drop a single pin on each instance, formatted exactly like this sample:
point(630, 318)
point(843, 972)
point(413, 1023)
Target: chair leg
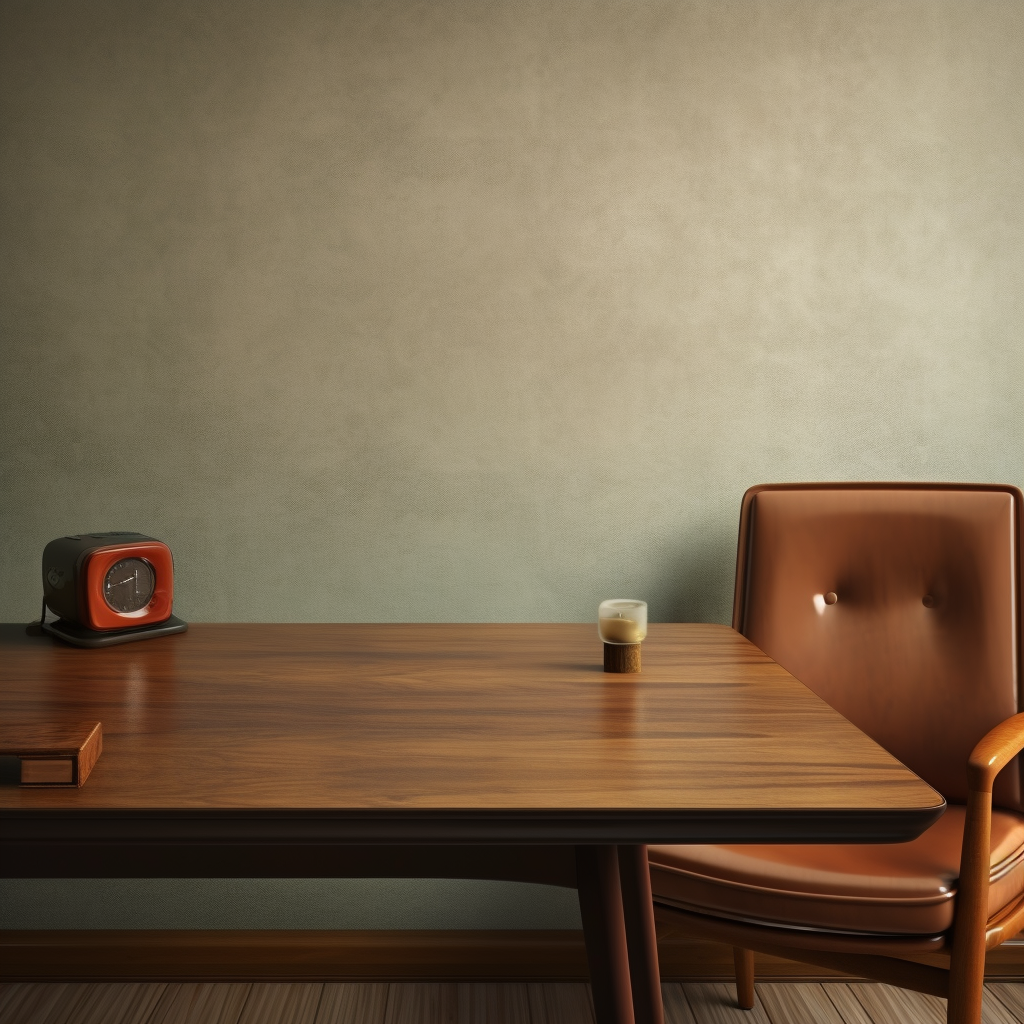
point(966, 985)
point(967, 958)
point(744, 960)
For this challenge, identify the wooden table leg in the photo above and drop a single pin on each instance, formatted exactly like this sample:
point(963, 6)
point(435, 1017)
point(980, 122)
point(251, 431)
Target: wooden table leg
point(604, 929)
point(641, 939)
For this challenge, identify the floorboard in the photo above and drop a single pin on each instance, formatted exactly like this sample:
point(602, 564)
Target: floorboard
point(271, 1003)
point(995, 1011)
point(31, 1003)
point(560, 1003)
point(200, 1003)
point(428, 1002)
point(353, 1003)
point(1011, 995)
point(850, 1009)
point(50, 1011)
point(500, 1002)
point(116, 1003)
point(888, 1005)
point(677, 1009)
point(798, 1004)
point(716, 1004)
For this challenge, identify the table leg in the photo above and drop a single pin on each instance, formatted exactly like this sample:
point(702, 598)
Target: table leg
point(604, 929)
point(641, 939)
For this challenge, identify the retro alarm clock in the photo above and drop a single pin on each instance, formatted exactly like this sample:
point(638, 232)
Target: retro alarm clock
point(108, 588)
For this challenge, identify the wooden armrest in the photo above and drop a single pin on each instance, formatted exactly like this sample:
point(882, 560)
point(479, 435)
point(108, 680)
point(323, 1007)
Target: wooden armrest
point(970, 929)
point(993, 752)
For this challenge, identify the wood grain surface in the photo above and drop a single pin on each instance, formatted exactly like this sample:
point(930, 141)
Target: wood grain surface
point(1012, 995)
point(849, 1006)
point(378, 955)
point(677, 1009)
point(195, 1002)
point(995, 1011)
point(281, 1004)
point(474, 732)
point(798, 1004)
point(482, 1003)
point(502, 1002)
point(423, 1003)
point(46, 738)
point(886, 1002)
point(54, 752)
point(114, 1003)
point(560, 1003)
point(352, 1004)
point(716, 1004)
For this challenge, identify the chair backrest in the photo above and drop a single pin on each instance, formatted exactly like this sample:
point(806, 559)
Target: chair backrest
point(899, 605)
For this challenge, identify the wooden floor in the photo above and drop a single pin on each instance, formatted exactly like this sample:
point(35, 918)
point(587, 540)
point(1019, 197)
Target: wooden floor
point(484, 1003)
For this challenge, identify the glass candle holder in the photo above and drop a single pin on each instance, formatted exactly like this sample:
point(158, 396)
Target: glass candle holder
point(622, 625)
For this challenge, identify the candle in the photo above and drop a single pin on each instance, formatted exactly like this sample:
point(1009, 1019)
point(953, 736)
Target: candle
point(622, 621)
point(620, 631)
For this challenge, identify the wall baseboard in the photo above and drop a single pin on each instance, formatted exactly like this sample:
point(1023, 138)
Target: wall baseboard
point(370, 956)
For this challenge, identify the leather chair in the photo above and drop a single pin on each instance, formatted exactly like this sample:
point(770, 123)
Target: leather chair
point(899, 605)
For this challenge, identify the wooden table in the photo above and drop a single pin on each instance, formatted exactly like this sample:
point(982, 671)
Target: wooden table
point(460, 751)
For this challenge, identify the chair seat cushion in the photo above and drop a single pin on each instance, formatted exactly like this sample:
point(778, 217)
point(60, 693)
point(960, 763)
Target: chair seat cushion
point(893, 889)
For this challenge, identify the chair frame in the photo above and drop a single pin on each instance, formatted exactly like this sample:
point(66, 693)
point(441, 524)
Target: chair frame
point(898, 960)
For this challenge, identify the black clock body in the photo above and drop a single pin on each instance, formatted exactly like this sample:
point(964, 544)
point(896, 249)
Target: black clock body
point(108, 588)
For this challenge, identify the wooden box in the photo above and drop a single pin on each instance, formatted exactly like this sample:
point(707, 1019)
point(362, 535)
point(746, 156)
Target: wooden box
point(53, 754)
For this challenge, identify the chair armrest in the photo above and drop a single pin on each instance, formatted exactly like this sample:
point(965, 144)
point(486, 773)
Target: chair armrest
point(994, 752)
point(970, 937)
point(991, 754)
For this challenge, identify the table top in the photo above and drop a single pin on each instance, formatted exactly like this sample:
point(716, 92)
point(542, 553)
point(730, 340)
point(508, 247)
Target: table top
point(445, 732)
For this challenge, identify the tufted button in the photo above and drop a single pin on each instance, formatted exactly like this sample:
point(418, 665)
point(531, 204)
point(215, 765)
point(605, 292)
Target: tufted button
point(830, 597)
point(928, 601)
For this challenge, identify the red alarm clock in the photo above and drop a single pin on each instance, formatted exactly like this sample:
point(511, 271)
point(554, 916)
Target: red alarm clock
point(108, 588)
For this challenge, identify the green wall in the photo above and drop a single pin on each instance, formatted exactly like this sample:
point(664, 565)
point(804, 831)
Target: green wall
point(486, 311)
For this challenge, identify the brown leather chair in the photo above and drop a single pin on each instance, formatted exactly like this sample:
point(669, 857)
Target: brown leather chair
point(898, 604)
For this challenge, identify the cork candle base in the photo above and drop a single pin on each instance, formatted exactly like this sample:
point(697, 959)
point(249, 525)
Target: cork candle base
point(622, 657)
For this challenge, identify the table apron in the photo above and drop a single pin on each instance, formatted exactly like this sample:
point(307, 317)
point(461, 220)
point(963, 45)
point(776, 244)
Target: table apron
point(549, 865)
point(567, 828)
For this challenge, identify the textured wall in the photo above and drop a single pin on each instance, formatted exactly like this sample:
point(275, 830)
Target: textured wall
point(486, 311)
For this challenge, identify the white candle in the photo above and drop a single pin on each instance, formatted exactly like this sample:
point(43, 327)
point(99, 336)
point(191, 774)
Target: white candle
point(621, 621)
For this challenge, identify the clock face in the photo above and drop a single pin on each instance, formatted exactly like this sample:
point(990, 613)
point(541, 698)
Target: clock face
point(129, 585)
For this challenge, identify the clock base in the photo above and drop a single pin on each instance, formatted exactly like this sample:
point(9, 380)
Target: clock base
point(81, 636)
